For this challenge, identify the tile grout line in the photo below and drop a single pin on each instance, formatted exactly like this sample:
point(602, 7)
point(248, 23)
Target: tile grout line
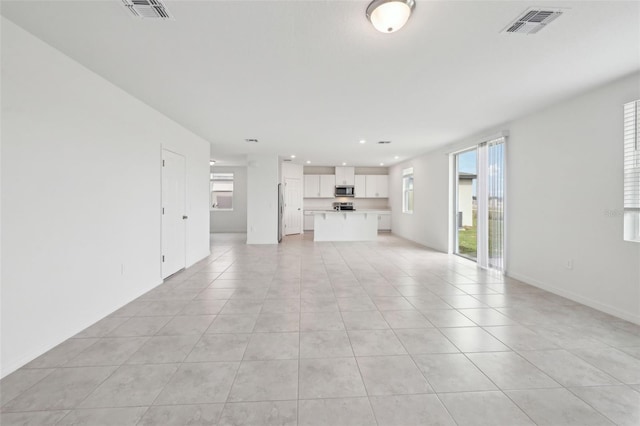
point(179, 364)
point(357, 364)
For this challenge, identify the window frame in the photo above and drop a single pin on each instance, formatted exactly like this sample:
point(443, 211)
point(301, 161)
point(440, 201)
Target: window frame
point(631, 171)
point(408, 193)
point(212, 181)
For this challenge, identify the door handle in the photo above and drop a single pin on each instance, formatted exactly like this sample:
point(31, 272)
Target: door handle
point(185, 217)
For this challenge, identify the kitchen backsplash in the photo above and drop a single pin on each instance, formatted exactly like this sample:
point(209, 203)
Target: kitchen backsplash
point(358, 203)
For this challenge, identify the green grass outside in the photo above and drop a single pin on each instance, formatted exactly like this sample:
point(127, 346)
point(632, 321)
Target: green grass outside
point(468, 236)
point(468, 240)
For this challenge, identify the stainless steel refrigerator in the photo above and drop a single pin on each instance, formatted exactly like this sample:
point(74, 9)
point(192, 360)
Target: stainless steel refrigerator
point(280, 211)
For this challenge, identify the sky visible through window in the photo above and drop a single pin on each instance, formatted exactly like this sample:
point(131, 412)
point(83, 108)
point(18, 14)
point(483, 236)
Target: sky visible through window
point(468, 163)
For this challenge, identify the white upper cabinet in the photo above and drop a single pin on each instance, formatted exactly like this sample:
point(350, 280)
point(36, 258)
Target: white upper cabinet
point(319, 186)
point(360, 188)
point(371, 186)
point(327, 186)
point(383, 186)
point(377, 186)
point(345, 175)
point(365, 186)
point(311, 186)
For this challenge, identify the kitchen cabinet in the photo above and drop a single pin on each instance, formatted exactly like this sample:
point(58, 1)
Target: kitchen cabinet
point(345, 226)
point(384, 222)
point(377, 186)
point(327, 186)
point(360, 187)
point(383, 186)
point(311, 186)
point(319, 186)
point(345, 175)
point(308, 222)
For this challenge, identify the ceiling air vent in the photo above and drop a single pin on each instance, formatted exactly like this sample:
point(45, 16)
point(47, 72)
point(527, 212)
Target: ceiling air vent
point(148, 9)
point(533, 20)
point(383, 142)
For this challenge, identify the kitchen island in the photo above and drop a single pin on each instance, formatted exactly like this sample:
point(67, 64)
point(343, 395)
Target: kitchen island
point(345, 226)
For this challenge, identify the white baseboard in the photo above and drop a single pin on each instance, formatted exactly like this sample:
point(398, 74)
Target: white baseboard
point(9, 367)
point(608, 309)
point(421, 243)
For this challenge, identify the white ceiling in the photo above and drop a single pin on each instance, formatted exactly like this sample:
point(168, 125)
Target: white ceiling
point(312, 78)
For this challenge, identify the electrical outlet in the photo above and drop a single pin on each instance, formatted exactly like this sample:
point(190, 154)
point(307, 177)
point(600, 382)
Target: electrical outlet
point(569, 264)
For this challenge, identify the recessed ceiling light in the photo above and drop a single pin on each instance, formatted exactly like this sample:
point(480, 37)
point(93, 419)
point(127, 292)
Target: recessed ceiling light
point(212, 162)
point(344, 164)
point(251, 140)
point(293, 156)
point(388, 16)
point(362, 141)
point(382, 164)
point(396, 157)
point(308, 162)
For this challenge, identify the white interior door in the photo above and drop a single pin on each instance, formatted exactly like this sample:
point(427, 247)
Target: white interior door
point(173, 213)
point(292, 206)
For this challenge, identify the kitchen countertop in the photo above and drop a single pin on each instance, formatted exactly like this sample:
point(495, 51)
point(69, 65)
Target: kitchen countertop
point(345, 225)
point(379, 211)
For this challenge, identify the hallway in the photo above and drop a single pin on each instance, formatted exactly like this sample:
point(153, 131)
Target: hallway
point(305, 333)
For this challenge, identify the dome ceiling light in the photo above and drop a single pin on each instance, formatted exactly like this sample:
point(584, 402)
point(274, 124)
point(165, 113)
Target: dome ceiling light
point(388, 16)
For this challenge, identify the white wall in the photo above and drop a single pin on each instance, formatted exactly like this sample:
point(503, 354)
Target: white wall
point(263, 175)
point(564, 173)
point(564, 168)
point(236, 220)
point(428, 224)
point(81, 175)
point(291, 171)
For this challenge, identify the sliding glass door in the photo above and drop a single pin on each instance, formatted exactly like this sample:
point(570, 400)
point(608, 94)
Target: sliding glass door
point(480, 204)
point(495, 204)
point(467, 204)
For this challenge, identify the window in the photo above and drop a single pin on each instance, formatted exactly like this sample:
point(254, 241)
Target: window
point(407, 190)
point(632, 171)
point(221, 188)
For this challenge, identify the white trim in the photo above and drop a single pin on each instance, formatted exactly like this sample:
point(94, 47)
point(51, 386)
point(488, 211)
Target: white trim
point(603, 307)
point(453, 204)
point(15, 364)
point(406, 173)
point(482, 200)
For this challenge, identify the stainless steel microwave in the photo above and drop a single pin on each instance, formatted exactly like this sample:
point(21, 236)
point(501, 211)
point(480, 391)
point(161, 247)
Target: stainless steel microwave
point(344, 191)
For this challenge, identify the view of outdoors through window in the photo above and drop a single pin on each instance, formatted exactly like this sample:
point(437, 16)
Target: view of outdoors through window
point(495, 204)
point(407, 190)
point(467, 215)
point(221, 187)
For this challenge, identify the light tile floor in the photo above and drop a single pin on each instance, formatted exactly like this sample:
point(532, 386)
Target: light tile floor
point(339, 334)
